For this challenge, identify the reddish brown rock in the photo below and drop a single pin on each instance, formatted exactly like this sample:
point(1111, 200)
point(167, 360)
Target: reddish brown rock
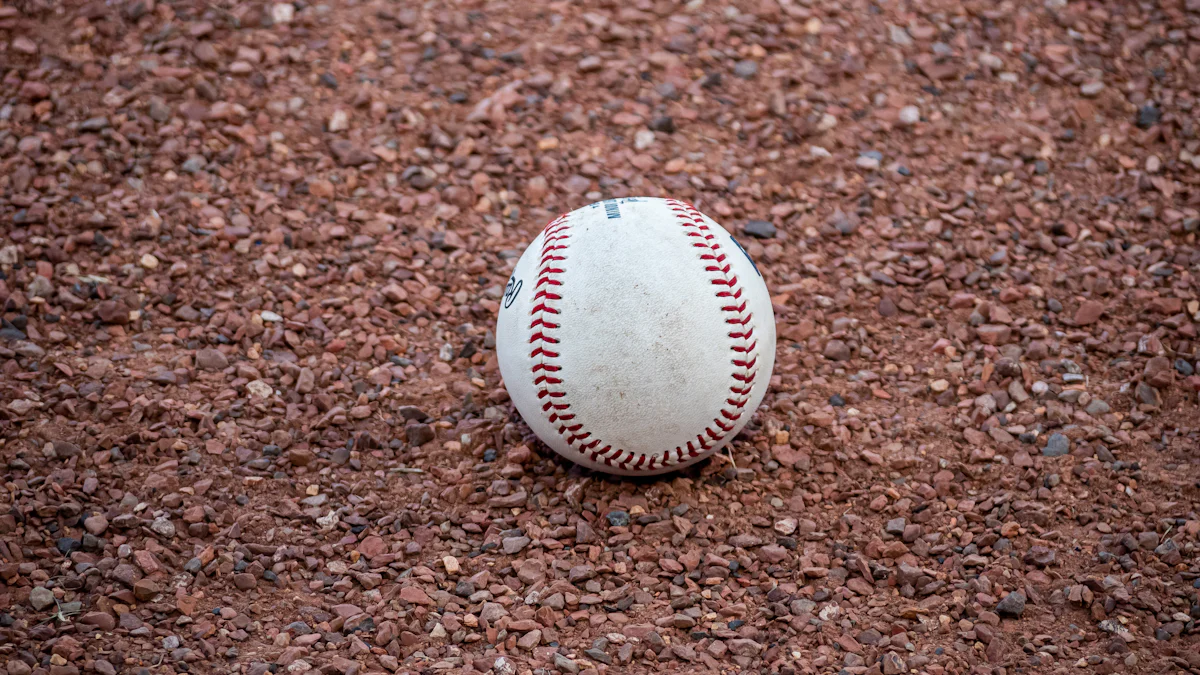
point(837, 350)
point(372, 546)
point(1088, 313)
point(415, 596)
point(1159, 372)
point(112, 312)
point(102, 620)
point(990, 334)
point(146, 590)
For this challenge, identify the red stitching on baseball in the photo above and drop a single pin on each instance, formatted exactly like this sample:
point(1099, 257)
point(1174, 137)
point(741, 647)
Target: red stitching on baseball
point(556, 238)
point(555, 242)
point(744, 345)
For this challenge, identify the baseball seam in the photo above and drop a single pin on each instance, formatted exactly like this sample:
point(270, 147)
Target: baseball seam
point(544, 324)
point(544, 340)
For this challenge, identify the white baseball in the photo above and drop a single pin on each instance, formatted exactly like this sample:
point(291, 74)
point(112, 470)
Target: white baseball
point(636, 336)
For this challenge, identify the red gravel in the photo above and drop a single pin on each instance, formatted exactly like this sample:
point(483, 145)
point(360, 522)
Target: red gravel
point(251, 418)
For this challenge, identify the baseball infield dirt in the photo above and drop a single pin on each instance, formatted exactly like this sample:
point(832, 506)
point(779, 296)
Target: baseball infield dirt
point(251, 260)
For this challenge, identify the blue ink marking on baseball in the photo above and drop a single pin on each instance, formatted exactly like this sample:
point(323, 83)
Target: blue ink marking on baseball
point(735, 243)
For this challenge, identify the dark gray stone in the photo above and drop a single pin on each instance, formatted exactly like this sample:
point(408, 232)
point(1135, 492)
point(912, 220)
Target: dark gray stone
point(1012, 605)
point(760, 229)
point(1057, 446)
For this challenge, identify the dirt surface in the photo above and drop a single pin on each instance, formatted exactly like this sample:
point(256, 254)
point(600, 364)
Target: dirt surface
point(250, 415)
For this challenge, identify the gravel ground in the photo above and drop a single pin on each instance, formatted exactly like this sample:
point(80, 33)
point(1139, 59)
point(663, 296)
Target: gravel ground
point(250, 415)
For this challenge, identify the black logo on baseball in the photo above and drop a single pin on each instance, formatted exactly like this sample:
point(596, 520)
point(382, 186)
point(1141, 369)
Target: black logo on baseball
point(511, 291)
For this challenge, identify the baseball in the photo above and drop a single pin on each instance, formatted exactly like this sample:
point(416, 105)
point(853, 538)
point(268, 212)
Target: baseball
point(636, 336)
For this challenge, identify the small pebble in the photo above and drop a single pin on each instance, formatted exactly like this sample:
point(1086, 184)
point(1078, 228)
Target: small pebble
point(1057, 446)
